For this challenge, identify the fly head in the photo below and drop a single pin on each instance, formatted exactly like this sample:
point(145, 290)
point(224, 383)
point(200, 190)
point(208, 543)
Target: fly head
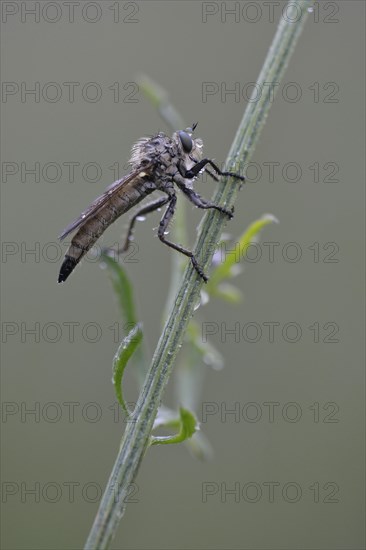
point(190, 149)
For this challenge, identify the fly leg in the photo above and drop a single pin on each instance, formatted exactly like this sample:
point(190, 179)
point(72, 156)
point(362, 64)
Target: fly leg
point(193, 172)
point(206, 170)
point(212, 175)
point(161, 234)
point(147, 209)
point(197, 200)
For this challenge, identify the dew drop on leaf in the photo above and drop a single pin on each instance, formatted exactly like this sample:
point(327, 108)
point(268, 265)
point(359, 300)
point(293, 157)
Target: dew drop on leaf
point(197, 304)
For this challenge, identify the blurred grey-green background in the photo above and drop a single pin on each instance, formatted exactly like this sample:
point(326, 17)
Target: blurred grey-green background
point(292, 454)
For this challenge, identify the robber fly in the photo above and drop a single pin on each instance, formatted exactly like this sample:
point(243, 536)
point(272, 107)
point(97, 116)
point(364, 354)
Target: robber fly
point(157, 163)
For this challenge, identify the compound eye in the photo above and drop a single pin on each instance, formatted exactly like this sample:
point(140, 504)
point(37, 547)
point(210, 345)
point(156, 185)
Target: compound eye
point(186, 141)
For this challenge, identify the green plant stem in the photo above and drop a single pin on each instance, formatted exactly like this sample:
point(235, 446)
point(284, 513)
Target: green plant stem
point(138, 431)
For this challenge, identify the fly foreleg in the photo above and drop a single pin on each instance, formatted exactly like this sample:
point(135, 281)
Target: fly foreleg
point(193, 172)
point(212, 175)
point(206, 170)
point(161, 234)
point(197, 200)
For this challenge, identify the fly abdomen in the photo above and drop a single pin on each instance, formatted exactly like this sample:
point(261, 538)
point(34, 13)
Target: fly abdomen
point(84, 239)
point(93, 227)
point(67, 267)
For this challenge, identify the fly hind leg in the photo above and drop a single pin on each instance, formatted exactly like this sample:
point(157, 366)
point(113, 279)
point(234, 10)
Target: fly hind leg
point(147, 209)
point(161, 234)
point(150, 207)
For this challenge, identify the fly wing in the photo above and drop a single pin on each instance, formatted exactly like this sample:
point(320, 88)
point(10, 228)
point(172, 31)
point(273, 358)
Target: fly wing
point(99, 202)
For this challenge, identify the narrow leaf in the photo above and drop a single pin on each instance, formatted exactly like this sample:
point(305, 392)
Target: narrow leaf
point(228, 268)
point(159, 97)
point(207, 352)
point(228, 292)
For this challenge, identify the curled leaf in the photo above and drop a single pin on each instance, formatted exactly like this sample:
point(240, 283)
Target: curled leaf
point(200, 447)
point(126, 348)
point(122, 288)
point(188, 425)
